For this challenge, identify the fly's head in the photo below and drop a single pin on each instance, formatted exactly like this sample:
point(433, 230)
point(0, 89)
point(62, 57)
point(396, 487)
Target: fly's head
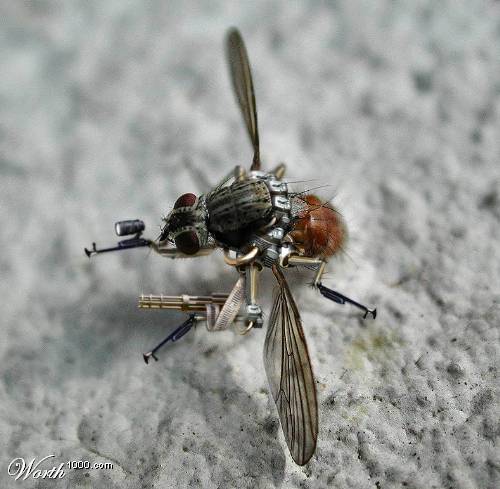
point(186, 224)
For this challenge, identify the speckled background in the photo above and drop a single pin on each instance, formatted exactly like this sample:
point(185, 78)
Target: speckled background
point(110, 110)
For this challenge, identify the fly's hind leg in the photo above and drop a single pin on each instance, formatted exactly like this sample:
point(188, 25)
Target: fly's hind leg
point(331, 294)
point(342, 299)
point(337, 297)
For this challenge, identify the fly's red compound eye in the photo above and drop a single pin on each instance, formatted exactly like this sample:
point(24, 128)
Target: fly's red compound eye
point(188, 242)
point(185, 200)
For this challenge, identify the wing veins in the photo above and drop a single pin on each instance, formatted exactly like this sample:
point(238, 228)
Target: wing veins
point(291, 380)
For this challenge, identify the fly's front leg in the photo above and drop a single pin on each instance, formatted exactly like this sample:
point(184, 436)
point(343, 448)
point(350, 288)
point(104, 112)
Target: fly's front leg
point(331, 294)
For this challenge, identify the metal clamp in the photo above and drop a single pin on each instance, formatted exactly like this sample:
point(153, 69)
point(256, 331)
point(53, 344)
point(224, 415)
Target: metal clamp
point(245, 330)
point(241, 260)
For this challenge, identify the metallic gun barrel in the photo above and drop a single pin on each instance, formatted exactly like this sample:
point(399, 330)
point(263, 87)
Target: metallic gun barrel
point(188, 303)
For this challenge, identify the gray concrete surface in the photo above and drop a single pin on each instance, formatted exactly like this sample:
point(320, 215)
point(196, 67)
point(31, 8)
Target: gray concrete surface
point(110, 110)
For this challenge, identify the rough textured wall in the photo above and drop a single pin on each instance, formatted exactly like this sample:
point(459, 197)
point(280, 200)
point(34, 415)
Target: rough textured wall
point(110, 110)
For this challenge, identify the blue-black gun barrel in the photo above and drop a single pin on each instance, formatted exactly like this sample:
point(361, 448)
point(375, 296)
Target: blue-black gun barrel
point(122, 245)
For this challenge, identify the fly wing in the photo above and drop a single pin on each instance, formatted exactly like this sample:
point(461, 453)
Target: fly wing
point(289, 373)
point(241, 77)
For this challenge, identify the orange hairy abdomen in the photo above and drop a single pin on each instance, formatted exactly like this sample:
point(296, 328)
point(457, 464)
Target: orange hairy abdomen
point(320, 229)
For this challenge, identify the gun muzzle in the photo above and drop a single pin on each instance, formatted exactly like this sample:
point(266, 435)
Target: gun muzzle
point(130, 226)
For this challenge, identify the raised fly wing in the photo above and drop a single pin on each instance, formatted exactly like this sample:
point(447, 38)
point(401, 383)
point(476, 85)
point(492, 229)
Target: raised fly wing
point(290, 374)
point(241, 77)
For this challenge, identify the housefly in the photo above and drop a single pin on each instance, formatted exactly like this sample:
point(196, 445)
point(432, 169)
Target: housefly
point(259, 223)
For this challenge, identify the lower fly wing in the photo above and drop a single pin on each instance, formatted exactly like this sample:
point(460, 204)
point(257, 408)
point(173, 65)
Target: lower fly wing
point(289, 373)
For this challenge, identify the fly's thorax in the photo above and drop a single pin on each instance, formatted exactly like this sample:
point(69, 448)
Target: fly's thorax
point(186, 224)
point(269, 239)
point(253, 212)
point(238, 205)
point(237, 211)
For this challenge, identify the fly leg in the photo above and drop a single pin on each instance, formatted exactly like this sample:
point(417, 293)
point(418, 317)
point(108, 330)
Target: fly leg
point(279, 171)
point(253, 311)
point(337, 297)
point(342, 299)
point(331, 294)
point(175, 335)
point(239, 173)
